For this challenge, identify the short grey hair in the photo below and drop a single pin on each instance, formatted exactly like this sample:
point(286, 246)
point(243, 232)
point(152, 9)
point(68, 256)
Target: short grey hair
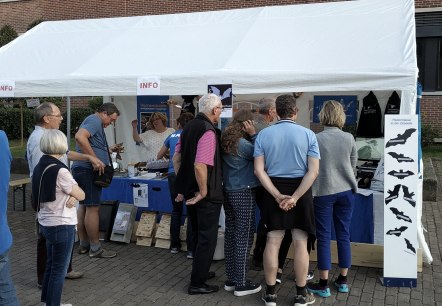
point(53, 141)
point(208, 102)
point(265, 104)
point(43, 110)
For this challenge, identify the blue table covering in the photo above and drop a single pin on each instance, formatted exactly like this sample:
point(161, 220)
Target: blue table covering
point(121, 189)
point(361, 228)
point(362, 225)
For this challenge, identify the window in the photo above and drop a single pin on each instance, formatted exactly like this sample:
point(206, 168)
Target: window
point(429, 50)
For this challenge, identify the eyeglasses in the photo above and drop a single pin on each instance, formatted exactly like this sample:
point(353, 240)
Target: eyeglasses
point(219, 107)
point(58, 116)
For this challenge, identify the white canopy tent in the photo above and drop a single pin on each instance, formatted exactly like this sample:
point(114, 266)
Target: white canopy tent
point(326, 47)
point(340, 46)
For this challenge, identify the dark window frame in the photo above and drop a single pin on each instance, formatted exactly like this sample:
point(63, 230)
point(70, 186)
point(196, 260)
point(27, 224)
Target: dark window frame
point(429, 50)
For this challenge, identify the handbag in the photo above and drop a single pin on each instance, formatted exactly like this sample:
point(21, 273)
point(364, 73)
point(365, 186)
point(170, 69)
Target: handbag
point(105, 179)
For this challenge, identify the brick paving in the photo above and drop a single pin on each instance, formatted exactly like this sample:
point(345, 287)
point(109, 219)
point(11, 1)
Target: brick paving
point(148, 275)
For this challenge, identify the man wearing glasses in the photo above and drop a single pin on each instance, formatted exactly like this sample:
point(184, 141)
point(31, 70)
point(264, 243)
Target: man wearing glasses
point(48, 116)
point(197, 163)
point(91, 140)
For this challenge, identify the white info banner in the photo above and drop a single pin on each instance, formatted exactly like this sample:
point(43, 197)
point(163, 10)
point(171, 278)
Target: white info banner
point(148, 86)
point(7, 89)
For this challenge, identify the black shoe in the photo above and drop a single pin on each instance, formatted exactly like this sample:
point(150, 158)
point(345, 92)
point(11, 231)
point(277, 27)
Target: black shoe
point(248, 288)
point(211, 275)
point(203, 289)
point(278, 277)
point(269, 299)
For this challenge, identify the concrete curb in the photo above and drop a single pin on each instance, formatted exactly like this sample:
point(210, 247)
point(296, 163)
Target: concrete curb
point(430, 181)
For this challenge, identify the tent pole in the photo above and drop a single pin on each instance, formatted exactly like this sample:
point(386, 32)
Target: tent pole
point(68, 120)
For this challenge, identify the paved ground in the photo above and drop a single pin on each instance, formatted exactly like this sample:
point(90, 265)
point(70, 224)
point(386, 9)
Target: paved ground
point(147, 275)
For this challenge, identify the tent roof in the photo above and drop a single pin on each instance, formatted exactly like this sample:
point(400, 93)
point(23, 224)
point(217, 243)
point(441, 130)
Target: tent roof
point(340, 46)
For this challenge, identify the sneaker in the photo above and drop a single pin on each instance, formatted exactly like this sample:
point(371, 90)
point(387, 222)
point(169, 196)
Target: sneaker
point(269, 299)
point(318, 289)
point(304, 300)
point(310, 275)
point(341, 286)
point(279, 277)
point(82, 250)
point(189, 255)
point(174, 250)
point(229, 286)
point(74, 275)
point(248, 288)
point(102, 253)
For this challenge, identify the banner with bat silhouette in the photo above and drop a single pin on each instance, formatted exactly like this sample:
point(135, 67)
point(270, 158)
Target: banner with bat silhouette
point(223, 89)
point(400, 211)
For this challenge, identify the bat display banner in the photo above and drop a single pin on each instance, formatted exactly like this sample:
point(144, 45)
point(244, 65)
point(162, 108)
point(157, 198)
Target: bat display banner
point(400, 189)
point(223, 89)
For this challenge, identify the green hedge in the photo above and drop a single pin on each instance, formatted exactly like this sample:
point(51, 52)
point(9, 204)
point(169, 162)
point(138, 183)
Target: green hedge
point(10, 121)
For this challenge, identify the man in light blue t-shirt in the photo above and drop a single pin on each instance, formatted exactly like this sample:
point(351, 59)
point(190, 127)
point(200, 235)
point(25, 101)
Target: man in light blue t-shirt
point(91, 140)
point(287, 163)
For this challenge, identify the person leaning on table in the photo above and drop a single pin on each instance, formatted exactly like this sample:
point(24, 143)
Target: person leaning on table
point(334, 196)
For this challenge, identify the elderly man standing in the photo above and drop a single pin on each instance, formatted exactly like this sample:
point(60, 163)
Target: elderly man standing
point(287, 164)
point(91, 140)
point(48, 116)
point(197, 163)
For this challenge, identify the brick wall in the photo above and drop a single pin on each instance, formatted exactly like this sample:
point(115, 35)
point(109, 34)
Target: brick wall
point(427, 3)
point(431, 111)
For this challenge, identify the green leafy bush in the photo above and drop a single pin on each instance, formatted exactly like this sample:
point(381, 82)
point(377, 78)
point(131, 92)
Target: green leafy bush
point(95, 103)
point(428, 133)
point(7, 34)
point(10, 119)
point(77, 117)
point(34, 23)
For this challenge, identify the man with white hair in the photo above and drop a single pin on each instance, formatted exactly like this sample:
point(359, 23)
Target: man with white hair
point(197, 163)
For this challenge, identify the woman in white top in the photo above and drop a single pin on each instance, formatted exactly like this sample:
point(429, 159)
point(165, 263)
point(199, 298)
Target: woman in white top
point(56, 193)
point(153, 139)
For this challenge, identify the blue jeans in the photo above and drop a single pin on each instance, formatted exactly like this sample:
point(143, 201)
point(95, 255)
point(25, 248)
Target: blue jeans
point(59, 243)
point(7, 290)
point(338, 206)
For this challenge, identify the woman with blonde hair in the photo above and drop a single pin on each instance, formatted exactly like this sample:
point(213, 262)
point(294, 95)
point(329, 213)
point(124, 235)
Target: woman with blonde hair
point(333, 193)
point(239, 182)
point(152, 140)
point(56, 193)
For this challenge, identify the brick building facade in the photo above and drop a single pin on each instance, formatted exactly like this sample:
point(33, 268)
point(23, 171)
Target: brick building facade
point(21, 13)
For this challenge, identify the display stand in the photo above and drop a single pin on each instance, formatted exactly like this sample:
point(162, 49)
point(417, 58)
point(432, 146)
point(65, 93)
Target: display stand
point(124, 223)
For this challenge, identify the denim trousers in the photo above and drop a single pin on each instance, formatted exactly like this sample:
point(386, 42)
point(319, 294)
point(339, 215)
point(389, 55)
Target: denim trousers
point(59, 243)
point(339, 208)
point(7, 290)
point(175, 221)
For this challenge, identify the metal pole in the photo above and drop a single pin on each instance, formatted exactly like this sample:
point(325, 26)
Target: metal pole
point(68, 120)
